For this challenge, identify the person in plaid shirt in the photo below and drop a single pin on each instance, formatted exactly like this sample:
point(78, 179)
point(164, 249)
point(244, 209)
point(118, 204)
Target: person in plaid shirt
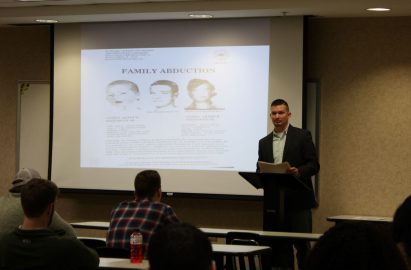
point(145, 213)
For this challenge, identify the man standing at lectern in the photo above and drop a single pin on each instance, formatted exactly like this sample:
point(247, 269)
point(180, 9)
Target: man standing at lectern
point(294, 145)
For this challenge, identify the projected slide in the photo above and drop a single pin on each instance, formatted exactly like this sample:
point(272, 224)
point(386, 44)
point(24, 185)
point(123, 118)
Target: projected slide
point(196, 108)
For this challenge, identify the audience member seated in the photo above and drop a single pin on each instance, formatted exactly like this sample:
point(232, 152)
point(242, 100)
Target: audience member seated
point(33, 245)
point(401, 229)
point(180, 246)
point(11, 212)
point(145, 213)
point(354, 246)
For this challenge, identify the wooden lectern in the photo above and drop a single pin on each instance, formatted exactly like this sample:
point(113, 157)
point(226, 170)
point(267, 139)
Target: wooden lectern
point(274, 185)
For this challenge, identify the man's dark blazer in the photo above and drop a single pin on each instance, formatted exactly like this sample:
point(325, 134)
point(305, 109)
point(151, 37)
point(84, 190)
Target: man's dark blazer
point(300, 152)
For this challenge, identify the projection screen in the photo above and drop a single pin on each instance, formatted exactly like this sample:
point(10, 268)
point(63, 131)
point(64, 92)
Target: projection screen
point(187, 98)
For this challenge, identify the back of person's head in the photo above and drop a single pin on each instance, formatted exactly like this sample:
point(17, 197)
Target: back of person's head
point(180, 246)
point(354, 246)
point(36, 196)
point(401, 226)
point(146, 184)
point(23, 176)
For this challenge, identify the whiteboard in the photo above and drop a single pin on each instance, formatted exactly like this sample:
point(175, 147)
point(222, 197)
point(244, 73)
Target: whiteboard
point(34, 126)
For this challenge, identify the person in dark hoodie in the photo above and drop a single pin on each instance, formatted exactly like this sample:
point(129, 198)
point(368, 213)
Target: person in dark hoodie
point(33, 245)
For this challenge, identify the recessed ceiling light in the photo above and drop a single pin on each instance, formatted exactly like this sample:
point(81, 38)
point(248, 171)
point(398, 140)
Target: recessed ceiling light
point(46, 21)
point(200, 16)
point(378, 9)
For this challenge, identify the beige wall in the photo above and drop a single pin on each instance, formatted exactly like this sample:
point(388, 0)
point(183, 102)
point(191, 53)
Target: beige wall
point(24, 55)
point(364, 70)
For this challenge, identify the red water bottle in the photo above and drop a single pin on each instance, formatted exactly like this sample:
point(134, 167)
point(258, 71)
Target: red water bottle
point(136, 247)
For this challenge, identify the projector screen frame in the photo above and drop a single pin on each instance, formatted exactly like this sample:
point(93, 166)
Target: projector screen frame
point(297, 113)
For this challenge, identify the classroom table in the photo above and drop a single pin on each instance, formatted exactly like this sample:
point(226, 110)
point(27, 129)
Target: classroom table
point(344, 218)
point(216, 232)
point(95, 225)
point(117, 263)
point(383, 223)
point(222, 250)
point(219, 251)
point(267, 237)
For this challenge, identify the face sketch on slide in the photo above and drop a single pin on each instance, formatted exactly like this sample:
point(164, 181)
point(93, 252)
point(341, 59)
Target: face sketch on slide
point(163, 94)
point(201, 92)
point(123, 94)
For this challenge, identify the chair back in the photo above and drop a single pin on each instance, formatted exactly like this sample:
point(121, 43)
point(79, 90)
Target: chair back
point(242, 238)
point(239, 262)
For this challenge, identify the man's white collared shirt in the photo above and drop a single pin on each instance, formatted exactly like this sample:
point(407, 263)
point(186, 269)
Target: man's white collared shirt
point(278, 145)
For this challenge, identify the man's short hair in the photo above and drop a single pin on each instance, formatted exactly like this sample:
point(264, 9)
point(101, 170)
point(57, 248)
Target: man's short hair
point(36, 195)
point(146, 184)
point(401, 225)
point(179, 246)
point(354, 245)
point(278, 102)
point(194, 83)
point(133, 87)
point(173, 86)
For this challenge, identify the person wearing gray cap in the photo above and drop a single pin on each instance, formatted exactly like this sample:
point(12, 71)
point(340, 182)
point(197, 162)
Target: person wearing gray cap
point(11, 212)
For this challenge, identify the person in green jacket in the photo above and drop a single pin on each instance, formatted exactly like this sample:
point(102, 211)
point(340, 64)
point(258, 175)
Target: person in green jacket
point(33, 245)
point(11, 212)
